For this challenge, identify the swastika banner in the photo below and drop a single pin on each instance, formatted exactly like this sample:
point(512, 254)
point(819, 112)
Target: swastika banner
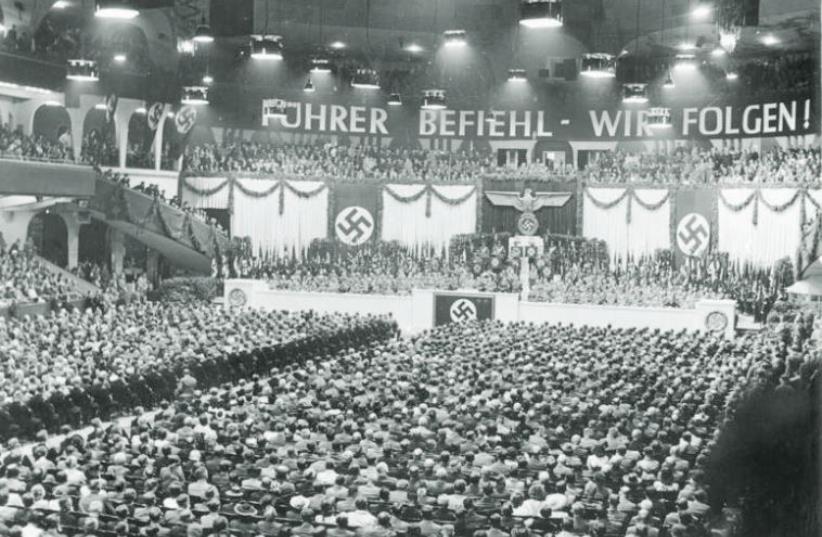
point(694, 226)
point(459, 308)
point(354, 214)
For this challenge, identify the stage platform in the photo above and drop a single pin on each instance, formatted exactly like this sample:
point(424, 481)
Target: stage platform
point(425, 308)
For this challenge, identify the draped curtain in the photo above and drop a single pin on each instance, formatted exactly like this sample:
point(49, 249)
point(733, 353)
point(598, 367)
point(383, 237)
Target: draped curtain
point(280, 226)
point(760, 228)
point(631, 222)
point(206, 192)
point(420, 216)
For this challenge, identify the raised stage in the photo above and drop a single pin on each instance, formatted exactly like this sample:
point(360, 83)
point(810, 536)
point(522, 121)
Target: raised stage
point(425, 308)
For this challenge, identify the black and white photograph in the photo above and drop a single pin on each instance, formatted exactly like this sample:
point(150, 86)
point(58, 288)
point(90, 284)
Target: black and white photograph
point(410, 268)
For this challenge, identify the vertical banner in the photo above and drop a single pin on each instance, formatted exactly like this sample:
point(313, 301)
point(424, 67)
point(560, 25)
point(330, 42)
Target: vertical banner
point(558, 220)
point(354, 214)
point(694, 226)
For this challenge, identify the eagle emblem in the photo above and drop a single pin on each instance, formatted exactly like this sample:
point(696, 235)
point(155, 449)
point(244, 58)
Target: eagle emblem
point(528, 203)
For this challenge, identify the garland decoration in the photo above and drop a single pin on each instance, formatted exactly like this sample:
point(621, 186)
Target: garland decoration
point(757, 197)
point(428, 191)
point(206, 192)
point(632, 196)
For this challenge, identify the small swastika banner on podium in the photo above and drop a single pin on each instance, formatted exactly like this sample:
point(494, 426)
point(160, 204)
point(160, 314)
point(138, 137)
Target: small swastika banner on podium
point(457, 308)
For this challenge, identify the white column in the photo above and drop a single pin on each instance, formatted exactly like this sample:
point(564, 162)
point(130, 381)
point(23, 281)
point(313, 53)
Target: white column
point(117, 248)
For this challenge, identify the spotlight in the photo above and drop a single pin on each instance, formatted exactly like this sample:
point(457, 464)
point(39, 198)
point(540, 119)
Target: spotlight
point(208, 80)
point(635, 93)
point(320, 65)
point(115, 9)
point(82, 70)
point(659, 118)
point(203, 34)
point(731, 76)
point(769, 40)
point(541, 13)
point(598, 65)
point(455, 38)
point(517, 75)
point(266, 47)
point(669, 82)
point(414, 48)
point(309, 86)
point(195, 95)
point(702, 11)
point(433, 99)
point(337, 45)
point(119, 58)
point(728, 39)
point(394, 99)
point(685, 61)
point(718, 52)
point(365, 79)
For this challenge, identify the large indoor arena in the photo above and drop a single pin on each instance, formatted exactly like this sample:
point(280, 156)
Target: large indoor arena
point(410, 268)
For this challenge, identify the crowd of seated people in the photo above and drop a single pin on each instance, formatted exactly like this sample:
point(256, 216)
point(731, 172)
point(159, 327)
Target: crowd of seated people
point(25, 279)
point(115, 285)
point(797, 165)
point(564, 274)
point(74, 365)
point(473, 430)
point(16, 145)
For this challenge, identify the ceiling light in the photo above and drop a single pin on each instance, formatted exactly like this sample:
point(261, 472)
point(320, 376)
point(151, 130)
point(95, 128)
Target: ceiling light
point(517, 75)
point(433, 99)
point(203, 34)
point(718, 52)
point(120, 58)
point(309, 86)
point(365, 79)
point(82, 70)
point(414, 48)
point(140, 111)
point(320, 65)
point(731, 76)
point(61, 4)
point(598, 65)
point(541, 13)
point(266, 47)
point(115, 9)
point(701, 11)
point(52, 103)
point(769, 40)
point(195, 95)
point(635, 93)
point(564, 121)
point(337, 45)
point(394, 99)
point(669, 82)
point(100, 106)
point(208, 79)
point(455, 38)
point(186, 46)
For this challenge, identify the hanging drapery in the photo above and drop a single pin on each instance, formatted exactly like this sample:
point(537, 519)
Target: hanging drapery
point(760, 226)
point(426, 216)
point(633, 222)
point(206, 192)
point(281, 218)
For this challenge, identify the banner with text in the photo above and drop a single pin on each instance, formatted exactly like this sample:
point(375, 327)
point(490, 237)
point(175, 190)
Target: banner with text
point(734, 119)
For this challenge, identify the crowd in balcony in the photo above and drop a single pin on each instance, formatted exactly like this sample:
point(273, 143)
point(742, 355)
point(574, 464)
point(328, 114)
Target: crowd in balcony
point(471, 430)
point(25, 279)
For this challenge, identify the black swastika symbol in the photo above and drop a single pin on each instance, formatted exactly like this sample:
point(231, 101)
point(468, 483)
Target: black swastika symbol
point(463, 310)
point(692, 235)
point(354, 225)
